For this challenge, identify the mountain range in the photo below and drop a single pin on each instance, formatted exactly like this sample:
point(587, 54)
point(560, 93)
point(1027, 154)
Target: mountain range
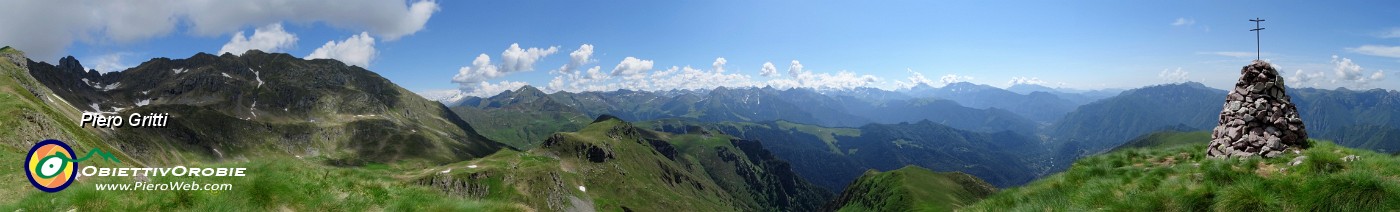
point(722, 149)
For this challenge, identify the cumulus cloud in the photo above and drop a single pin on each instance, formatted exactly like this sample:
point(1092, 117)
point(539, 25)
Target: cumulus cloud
point(124, 21)
point(486, 89)
point(915, 79)
point(1301, 77)
point(1184, 22)
point(719, 64)
point(577, 81)
point(514, 59)
point(480, 71)
point(842, 80)
point(110, 62)
point(800, 77)
point(356, 50)
point(632, 66)
point(578, 58)
point(1348, 72)
point(953, 78)
point(1026, 81)
point(688, 78)
point(768, 70)
point(795, 68)
point(270, 38)
point(1377, 50)
point(1177, 75)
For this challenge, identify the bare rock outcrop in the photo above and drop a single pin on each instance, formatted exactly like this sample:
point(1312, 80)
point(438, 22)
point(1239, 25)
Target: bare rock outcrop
point(1258, 117)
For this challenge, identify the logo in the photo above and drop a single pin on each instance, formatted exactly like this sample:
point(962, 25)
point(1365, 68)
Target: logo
point(50, 166)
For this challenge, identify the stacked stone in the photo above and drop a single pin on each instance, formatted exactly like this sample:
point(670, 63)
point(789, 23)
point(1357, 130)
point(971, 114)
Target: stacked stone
point(1258, 117)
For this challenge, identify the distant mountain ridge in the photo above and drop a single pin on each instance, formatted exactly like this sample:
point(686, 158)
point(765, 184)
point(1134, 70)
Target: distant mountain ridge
point(832, 157)
point(1038, 106)
point(856, 107)
point(834, 107)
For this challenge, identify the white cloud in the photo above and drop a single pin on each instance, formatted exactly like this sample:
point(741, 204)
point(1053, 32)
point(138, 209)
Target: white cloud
point(1026, 81)
point(800, 77)
point(480, 71)
point(124, 21)
point(719, 64)
point(578, 58)
point(1184, 22)
point(1306, 78)
point(795, 68)
point(632, 66)
point(270, 38)
point(768, 70)
point(516, 59)
point(953, 78)
point(486, 89)
point(390, 19)
point(1177, 75)
point(688, 78)
point(356, 50)
point(110, 62)
point(1349, 72)
point(577, 81)
point(1392, 33)
point(915, 79)
point(447, 96)
point(1377, 50)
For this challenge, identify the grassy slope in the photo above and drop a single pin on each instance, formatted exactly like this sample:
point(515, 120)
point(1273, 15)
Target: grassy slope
point(1165, 139)
point(26, 119)
point(518, 128)
point(636, 176)
point(1178, 177)
point(270, 184)
point(912, 188)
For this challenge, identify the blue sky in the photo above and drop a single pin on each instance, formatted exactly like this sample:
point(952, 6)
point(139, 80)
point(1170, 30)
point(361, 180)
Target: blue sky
point(1087, 44)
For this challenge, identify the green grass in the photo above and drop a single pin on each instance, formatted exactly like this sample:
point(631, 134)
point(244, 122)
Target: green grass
point(913, 188)
point(827, 135)
point(520, 129)
point(1178, 177)
point(26, 119)
point(1166, 139)
point(270, 184)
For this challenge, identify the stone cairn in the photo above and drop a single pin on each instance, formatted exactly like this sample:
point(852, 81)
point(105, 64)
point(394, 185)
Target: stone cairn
point(1258, 117)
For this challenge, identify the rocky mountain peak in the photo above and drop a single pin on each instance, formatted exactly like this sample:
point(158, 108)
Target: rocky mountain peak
point(530, 90)
point(1258, 117)
point(69, 63)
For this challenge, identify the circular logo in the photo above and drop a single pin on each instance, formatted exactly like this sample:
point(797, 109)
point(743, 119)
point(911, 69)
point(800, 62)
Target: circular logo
point(50, 165)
